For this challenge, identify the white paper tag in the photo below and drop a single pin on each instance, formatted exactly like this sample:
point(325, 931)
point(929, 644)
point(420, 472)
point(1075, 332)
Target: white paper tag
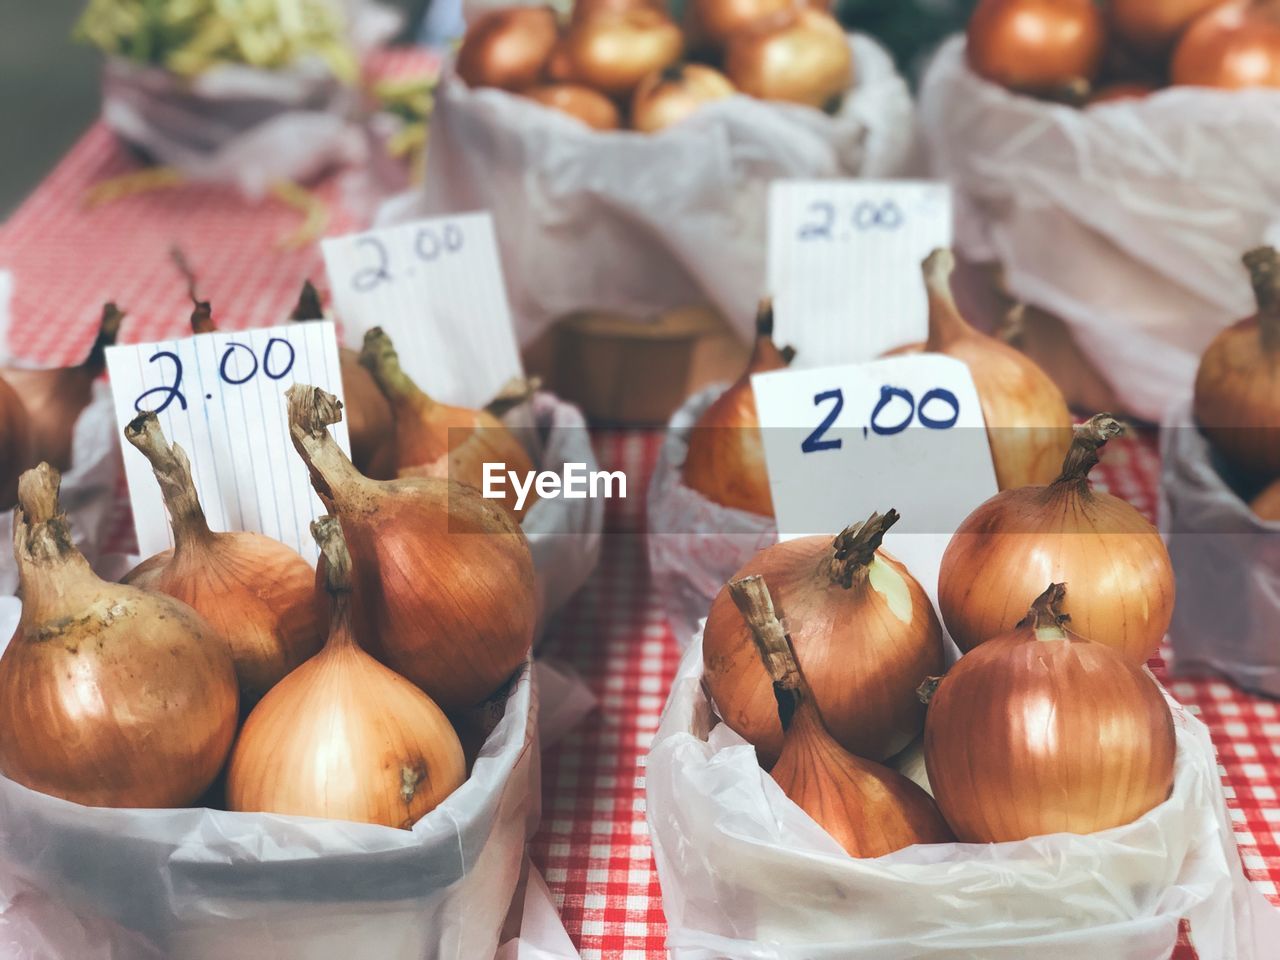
point(221, 397)
point(436, 287)
point(844, 264)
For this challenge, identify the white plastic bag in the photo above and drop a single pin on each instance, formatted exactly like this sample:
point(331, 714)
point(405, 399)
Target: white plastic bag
point(746, 875)
point(639, 223)
point(1127, 219)
point(202, 884)
point(245, 125)
point(1227, 563)
point(695, 545)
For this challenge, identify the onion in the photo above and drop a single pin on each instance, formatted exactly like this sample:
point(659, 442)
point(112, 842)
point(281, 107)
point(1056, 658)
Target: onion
point(1040, 731)
point(1237, 392)
point(1151, 26)
point(582, 103)
point(54, 400)
point(863, 629)
point(15, 444)
point(1008, 548)
point(1122, 91)
point(342, 736)
point(507, 48)
point(1234, 45)
point(613, 52)
point(110, 696)
point(435, 439)
point(668, 96)
point(1028, 423)
point(1045, 47)
point(725, 460)
point(585, 9)
point(256, 593)
point(369, 422)
point(802, 57)
point(444, 589)
point(867, 808)
point(1267, 504)
point(714, 22)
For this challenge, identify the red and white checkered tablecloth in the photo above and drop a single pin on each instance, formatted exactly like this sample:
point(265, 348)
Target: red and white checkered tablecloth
point(593, 846)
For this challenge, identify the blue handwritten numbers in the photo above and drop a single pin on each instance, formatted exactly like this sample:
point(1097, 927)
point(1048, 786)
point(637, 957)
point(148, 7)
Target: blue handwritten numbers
point(239, 365)
point(894, 411)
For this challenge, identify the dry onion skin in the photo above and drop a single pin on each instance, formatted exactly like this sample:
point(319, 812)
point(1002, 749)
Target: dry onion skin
point(370, 425)
point(435, 439)
point(1028, 423)
point(54, 399)
point(864, 632)
point(669, 96)
point(444, 590)
point(343, 736)
point(867, 808)
point(582, 103)
point(256, 593)
point(507, 48)
point(110, 696)
point(725, 460)
point(1041, 731)
point(1232, 46)
point(800, 56)
point(1237, 391)
point(1049, 48)
point(1009, 547)
point(613, 52)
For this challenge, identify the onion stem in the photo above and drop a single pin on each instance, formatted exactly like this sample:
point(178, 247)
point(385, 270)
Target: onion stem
point(327, 531)
point(41, 533)
point(311, 412)
point(1045, 617)
point(108, 328)
point(856, 546)
point(173, 473)
point(1263, 265)
point(380, 358)
point(946, 325)
point(1090, 437)
point(308, 306)
point(790, 688)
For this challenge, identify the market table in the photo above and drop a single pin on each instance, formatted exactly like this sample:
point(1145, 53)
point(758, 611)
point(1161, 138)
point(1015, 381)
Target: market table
point(67, 257)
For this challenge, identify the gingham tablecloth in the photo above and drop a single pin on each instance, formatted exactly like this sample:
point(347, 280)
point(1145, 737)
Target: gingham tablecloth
point(593, 847)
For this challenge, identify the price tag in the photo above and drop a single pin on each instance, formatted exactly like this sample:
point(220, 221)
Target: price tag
point(436, 287)
point(221, 397)
point(844, 264)
point(906, 432)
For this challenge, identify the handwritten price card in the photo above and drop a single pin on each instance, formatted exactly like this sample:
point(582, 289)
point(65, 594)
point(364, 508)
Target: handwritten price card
point(436, 287)
point(844, 264)
point(220, 396)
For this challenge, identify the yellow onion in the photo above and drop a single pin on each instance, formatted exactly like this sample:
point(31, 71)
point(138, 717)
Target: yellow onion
point(343, 736)
point(444, 590)
point(16, 452)
point(867, 808)
point(725, 460)
point(54, 399)
point(434, 439)
point(863, 629)
point(800, 56)
point(714, 22)
point(370, 426)
point(1041, 731)
point(1047, 48)
point(256, 593)
point(671, 95)
point(613, 52)
point(582, 103)
point(1233, 45)
point(1237, 392)
point(1010, 546)
point(110, 696)
point(1267, 504)
point(1028, 423)
point(1151, 26)
point(507, 48)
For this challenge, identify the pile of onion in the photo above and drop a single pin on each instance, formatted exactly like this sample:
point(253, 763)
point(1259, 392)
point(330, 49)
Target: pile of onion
point(863, 629)
point(1041, 731)
point(110, 696)
point(1009, 547)
point(370, 425)
point(725, 460)
point(444, 590)
point(1050, 48)
point(867, 808)
point(257, 594)
point(1237, 391)
point(1028, 423)
point(435, 439)
point(391, 758)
